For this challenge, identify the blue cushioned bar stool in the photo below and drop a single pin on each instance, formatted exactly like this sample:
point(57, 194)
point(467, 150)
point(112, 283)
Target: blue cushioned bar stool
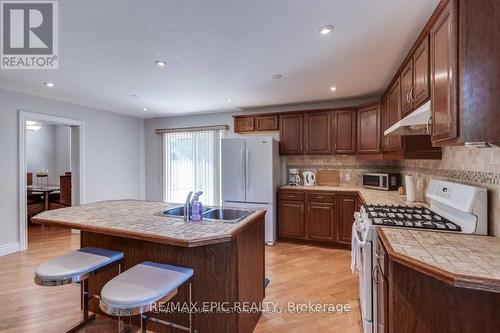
point(77, 267)
point(133, 291)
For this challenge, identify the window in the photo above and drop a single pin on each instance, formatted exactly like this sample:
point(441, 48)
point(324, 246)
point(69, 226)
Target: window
point(192, 163)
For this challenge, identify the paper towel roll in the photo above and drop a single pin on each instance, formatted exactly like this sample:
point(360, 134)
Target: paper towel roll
point(410, 188)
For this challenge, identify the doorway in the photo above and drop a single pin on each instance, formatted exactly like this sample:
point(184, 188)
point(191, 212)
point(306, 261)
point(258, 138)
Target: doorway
point(54, 187)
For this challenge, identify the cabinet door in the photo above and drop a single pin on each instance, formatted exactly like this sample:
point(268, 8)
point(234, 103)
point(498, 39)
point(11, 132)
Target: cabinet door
point(443, 53)
point(291, 219)
point(318, 133)
point(244, 124)
point(380, 277)
point(319, 221)
point(407, 88)
point(384, 124)
point(420, 91)
point(368, 130)
point(346, 207)
point(266, 123)
point(394, 113)
point(344, 132)
point(291, 134)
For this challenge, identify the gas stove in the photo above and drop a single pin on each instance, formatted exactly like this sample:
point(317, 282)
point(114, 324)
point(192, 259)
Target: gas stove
point(409, 217)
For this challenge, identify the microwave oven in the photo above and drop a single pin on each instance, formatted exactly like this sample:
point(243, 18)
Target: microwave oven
point(382, 181)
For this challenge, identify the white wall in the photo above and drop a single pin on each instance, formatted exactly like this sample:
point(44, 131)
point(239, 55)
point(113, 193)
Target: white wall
point(113, 150)
point(48, 148)
point(153, 172)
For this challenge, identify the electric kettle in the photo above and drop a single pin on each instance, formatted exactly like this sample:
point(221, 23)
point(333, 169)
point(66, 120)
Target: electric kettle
point(309, 178)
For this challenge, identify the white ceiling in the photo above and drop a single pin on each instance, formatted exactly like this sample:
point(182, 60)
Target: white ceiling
point(222, 49)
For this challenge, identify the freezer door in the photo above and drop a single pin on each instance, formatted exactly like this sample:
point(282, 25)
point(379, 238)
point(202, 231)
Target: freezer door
point(259, 170)
point(233, 163)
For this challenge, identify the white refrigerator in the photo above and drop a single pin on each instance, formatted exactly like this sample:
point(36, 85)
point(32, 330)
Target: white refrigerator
point(250, 168)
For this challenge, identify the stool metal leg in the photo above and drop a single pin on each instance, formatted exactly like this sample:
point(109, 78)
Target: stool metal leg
point(85, 301)
point(144, 322)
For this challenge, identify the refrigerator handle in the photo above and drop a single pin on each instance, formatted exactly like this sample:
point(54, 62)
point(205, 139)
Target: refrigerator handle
point(248, 168)
point(242, 168)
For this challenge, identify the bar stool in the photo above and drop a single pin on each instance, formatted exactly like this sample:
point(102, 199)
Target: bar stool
point(133, 291)
point(77, 267)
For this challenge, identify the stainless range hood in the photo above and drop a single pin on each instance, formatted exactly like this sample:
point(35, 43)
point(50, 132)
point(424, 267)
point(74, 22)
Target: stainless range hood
point(416, 123)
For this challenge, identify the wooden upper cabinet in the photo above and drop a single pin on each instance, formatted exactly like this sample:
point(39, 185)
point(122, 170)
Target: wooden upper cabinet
point(266, 123)
point(384, 124)
point(318, 133)
point(444, 70)
point(420, 92)
point(394, 114)
point(407, 88)
point(369, 129)
point(244, 124)
point(291, 134)
point(344, 132)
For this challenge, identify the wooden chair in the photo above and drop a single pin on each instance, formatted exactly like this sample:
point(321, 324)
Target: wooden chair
point(64, 199)
point(34, 201)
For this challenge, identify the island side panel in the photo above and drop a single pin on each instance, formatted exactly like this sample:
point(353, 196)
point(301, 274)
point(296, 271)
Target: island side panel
point(251, 272)
point(419, 302)
point(215, 276)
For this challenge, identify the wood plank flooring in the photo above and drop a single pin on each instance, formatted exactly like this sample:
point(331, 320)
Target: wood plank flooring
point(298, 273)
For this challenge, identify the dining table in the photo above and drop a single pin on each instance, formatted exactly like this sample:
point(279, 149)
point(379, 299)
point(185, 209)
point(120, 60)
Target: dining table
point(45, 190)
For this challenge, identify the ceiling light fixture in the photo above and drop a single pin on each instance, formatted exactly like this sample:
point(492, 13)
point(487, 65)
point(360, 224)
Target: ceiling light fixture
point(30, 122)
point(229, 100)
point(160, 63)
point(144, 109)
point(277, 76)
point(49, 84)
point(333, 88)
point(33, 127)
point(326, 29)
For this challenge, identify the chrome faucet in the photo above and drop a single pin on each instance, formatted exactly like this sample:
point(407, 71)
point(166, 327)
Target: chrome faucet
point(187, 207)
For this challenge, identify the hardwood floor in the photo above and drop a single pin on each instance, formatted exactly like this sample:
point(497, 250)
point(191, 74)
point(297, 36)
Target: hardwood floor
point(298, 273)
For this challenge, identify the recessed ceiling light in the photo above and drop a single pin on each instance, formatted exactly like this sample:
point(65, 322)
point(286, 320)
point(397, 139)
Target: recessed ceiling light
point(333, 88)
point(277, 76)
point(160, 63)
point(134, 96)
point(49, 84)
point(326, 29)
point(229, 100)
point(30, 122)
point(144, 109)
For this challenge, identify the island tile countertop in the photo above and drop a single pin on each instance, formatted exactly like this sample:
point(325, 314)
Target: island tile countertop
point(139, 220)
point(468, 261)
point(369, 197)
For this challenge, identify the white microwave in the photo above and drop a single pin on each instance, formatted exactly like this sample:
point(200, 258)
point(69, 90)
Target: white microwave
point(382, 181)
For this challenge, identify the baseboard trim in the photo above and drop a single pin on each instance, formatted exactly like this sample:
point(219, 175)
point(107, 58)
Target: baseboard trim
point(9, 248)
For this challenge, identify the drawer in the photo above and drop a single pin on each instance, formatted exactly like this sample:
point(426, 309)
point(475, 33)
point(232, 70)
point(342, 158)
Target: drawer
point(292, 195)
point(321, 197)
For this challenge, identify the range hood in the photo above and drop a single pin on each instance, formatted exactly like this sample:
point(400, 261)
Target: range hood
point(416, 123)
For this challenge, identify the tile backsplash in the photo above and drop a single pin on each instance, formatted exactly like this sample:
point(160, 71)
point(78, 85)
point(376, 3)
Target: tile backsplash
point(479, 167)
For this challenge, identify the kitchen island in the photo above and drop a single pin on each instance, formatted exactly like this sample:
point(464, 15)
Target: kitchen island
point(227, 258)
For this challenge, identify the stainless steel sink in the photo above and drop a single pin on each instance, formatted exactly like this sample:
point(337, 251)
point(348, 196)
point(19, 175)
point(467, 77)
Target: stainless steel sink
point(179, 211)
point(227, 215)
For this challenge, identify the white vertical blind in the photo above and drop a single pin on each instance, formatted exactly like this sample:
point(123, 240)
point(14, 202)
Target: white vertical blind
point(192, 163)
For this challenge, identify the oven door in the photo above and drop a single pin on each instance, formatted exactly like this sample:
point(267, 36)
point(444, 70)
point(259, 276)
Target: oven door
point(363, 244)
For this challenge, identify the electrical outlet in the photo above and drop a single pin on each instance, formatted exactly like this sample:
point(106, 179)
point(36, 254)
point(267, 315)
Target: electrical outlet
point(347, 177)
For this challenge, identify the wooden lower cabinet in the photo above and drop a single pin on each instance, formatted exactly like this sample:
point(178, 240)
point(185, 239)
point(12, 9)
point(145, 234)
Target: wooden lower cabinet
point(292, 219)
point(320, 219)
point(346, 205)
point(317, 216)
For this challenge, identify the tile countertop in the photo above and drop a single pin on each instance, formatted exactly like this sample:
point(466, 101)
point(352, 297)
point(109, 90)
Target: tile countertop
point(138, 219)
point(467, 261)
point(370, 197)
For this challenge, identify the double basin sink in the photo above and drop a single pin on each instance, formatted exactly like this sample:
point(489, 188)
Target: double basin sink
point(226, 215)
